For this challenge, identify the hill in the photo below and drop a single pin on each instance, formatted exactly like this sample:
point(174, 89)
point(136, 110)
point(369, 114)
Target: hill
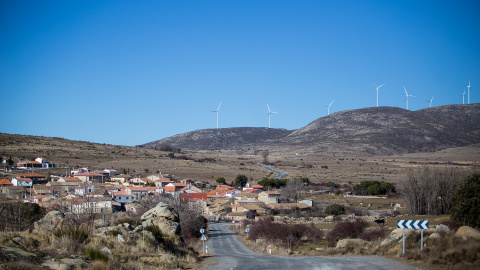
point(371, 131)
point(224, 138)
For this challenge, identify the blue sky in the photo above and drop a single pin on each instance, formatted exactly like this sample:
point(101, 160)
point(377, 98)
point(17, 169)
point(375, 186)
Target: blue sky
point(131, 72)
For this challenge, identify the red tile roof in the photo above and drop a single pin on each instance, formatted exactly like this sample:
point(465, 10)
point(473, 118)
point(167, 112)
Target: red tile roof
point(5, 182)
point(121, 193)
point(185, 197)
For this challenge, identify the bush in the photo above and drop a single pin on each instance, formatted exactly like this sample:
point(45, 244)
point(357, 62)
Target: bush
point(373, 188)
point(95, 254)
point(347, 229)
point(335, 210)
point(373, 235)
point(288, 234)
point(80, 235)
point(465, 202)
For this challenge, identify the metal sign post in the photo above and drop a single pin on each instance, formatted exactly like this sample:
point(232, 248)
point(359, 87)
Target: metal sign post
point(412, 224)
point(202, 231)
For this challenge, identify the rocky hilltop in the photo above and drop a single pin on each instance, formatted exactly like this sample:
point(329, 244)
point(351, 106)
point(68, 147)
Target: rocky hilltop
point(224, 138)
point(374, 131)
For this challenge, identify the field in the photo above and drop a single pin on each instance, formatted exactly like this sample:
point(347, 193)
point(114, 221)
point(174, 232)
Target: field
point(208, 165)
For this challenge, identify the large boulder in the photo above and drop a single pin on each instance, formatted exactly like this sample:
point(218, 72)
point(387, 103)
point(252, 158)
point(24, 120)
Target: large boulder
point(466, 232)
point(356, 243)
point(163, 216)
point(442, 228)
point(51, 221)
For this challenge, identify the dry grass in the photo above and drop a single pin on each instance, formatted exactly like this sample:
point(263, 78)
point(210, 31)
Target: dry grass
point(229, 163)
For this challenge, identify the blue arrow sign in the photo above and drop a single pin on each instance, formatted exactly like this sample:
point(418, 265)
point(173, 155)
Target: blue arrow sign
point(412, 224)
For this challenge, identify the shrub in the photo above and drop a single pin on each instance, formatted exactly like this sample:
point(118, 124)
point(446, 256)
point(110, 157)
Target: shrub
point(95, 254)
point(359, 212)
point(288, 234)
point(347, 229)
point(335, 210)
point(373, 235)
point(465, 202)
point(80, 235)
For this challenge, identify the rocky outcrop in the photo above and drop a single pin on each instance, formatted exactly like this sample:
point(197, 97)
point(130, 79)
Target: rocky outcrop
point(51, 221)
point(466, 232)
point(163, 216)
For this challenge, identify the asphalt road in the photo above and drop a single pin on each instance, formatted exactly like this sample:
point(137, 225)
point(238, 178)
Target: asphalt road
point(280, 174)
point(229, 253)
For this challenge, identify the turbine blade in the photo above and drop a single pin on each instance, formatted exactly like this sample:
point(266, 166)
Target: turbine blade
point(268, 107)
point(219, 106)
point(405, 90)
point(381, 85)
point(331, 103)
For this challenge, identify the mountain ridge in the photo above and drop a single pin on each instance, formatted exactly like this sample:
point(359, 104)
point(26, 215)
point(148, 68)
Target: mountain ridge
point(373, 130)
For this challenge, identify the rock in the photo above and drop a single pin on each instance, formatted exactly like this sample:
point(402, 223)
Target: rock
point(120, 238)
point(398, 233)
point(434, 236)
point(164, 217)
point(128, 226)
point(161, 210)
point(466, 232)
point(397, 250)
point(329, 218)
point(138, 228)
point(106, 250)
point(386, 242)
point(65, 264)
point(442, 228)
point(51, 221)
point(347, 242)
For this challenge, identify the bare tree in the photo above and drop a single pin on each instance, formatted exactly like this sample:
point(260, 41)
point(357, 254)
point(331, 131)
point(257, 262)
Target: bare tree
point(293, 190)
point(429, 190)
point(265, 155)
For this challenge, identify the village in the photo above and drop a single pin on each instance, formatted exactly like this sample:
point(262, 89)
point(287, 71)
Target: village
point(84, 190)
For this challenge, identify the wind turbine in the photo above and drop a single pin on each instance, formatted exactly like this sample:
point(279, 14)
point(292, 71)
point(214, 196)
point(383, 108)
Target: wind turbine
point(468, 86)
point(407, 95)
point(463, 95)
point(270, 113)
point(431, 100)
point(377, 91)
point(328, 107)
point(218, 109)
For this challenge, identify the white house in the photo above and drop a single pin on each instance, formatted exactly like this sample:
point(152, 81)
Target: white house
point(84, 189)
point(122, 196)
point(22, 182)
point(81, 170)
point(44, 162)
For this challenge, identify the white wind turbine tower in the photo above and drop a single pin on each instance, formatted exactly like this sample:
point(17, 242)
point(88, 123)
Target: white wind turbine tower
point(270, 113)
point(328, 107)
point(218, 109)
point(468, 86)
point(407, 95)
point(463, 95)
point(431, 100)
point(377, 90)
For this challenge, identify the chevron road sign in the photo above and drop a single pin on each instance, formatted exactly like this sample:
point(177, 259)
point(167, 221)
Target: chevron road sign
point(413, 224)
